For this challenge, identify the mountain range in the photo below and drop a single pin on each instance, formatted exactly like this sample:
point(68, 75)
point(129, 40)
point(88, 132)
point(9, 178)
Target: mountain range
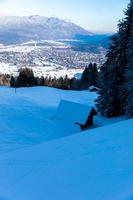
point(16, 29)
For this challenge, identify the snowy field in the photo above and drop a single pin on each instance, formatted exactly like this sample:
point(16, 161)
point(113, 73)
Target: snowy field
point(38, 161)
point(50, 69)
point(27, 117)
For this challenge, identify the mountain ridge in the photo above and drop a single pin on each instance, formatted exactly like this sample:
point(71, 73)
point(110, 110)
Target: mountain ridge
point(17, 29)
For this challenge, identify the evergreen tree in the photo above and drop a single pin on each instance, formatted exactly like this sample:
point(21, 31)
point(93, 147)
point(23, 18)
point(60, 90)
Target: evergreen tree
point(129, 70)
point(74, 84)
point(113, 99)
point(94, 75)
point(108, 81)
point(12, 82)
point(66, 82)
point(26, 78)
point(85, 78)
point(89, 76)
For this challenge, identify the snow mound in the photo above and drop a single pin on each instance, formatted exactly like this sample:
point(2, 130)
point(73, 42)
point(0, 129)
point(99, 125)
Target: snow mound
point(36, 164)
point(95, 165)
point(27, 115)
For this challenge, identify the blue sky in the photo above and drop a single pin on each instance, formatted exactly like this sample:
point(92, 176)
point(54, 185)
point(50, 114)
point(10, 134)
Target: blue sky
point(94, 15)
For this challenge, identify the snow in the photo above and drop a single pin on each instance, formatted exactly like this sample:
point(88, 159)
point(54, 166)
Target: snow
point(50, 69)
point(38, 161)
point(16, 48)
point(73, 112)
point(8, 69)
point(27, 116)
point(39, 27)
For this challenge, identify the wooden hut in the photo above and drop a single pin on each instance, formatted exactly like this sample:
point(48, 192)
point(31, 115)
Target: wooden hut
point(76, 113)
point(89, 121)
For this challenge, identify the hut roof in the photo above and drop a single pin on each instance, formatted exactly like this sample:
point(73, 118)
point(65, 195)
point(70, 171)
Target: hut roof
point(72, 111)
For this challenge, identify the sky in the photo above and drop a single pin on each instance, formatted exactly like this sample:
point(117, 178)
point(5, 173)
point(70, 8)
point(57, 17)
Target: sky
point(93, 15)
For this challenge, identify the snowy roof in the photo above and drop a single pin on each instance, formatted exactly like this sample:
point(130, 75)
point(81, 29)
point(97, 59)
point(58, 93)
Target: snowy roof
point(72, 111)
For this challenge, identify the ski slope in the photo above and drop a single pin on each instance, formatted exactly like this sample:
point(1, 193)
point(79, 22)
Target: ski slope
point(95, 165)
point(43, 158)
point(27, 116)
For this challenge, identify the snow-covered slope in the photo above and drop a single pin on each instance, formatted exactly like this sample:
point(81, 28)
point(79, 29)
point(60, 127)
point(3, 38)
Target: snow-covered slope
point(15, 29)
point(38, 161)
point(96, 165)
point(27, 117)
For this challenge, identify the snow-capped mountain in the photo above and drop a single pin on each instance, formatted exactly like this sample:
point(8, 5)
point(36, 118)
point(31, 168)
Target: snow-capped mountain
point(14, 29)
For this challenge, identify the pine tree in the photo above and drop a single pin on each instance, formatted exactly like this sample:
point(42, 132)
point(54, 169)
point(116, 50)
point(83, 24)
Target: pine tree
point(109, 91)
point(129, 70)
point(114, 93)
point(85, 78)
point(26, 78)
point(89, 76)
point(74, 84)
point(12, 82)
point(94, 75)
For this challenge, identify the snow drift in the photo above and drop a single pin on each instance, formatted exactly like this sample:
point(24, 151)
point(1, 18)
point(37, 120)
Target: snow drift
point(94, 165)
point(36, 163)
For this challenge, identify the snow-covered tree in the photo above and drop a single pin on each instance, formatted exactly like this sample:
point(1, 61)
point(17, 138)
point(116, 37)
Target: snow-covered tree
point(114, 93)
point(129, 71)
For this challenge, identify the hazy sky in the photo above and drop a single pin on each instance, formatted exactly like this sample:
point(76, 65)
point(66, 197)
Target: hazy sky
point(94, 15)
